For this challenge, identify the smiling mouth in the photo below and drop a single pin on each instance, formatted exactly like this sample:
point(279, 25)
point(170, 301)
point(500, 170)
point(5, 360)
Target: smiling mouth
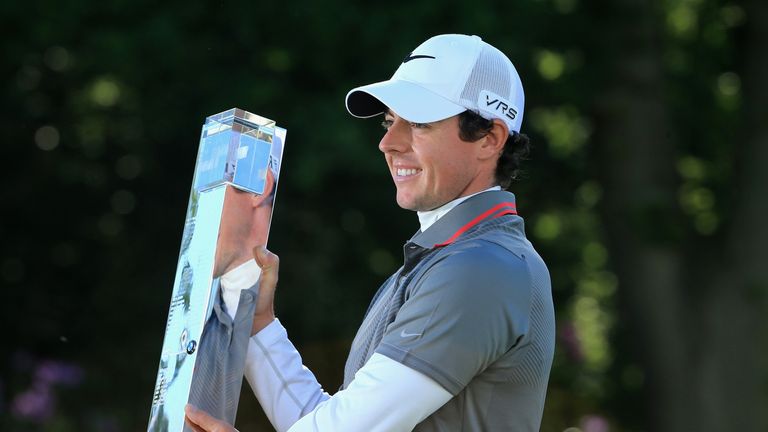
point(406, 172)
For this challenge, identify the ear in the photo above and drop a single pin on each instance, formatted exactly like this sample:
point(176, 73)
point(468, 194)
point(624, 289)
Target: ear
point(492, 145)
point(269, 187)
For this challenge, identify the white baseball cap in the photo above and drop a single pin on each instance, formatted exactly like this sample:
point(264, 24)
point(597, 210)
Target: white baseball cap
point(444, 76)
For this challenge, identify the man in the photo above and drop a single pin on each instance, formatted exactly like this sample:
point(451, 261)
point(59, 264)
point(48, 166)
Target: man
point(461, 337)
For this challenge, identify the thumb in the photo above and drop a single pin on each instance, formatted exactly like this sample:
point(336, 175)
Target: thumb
point(265, 259)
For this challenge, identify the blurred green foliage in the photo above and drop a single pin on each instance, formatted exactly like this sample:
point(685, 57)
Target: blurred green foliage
point(102, 107)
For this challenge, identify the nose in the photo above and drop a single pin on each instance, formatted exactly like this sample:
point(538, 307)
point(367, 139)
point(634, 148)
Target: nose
point(397, 139)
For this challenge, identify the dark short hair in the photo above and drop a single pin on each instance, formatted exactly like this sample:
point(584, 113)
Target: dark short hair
point(472, 127)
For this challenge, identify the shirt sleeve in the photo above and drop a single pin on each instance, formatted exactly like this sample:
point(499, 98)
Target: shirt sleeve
point(465, 312)
point(373, 401)
point(292, 398)
point(285, 388)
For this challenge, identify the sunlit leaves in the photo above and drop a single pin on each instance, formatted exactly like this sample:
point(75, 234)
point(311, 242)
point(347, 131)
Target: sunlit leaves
point(564, 128)
point(699, 203)
point(588, 194)
point(691, 168)
point(593, 322)
point(565, 6)
point(594, 255)
point(727, 90)
point(682, 17)
point(697, 200)
point(105, 92)
point(548, 226)
point(550, 64)
point(682, 20)
point(592, 306)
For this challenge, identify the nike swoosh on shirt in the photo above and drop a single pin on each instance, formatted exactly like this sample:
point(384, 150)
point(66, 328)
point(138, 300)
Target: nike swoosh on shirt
point(410, 57)
point(404, 334)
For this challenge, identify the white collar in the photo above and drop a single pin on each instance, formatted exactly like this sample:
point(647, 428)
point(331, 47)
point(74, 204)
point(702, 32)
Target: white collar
point(241, 277)
point(427, 218)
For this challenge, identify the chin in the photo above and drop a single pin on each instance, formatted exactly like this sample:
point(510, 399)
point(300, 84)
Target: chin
point(415, 206)
point(406, 204)
point(422, 202)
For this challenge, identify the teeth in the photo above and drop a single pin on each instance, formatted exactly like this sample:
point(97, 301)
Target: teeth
point(401, 172)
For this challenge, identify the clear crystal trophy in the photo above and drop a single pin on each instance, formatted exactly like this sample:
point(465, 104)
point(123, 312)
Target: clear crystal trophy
point(215, 291)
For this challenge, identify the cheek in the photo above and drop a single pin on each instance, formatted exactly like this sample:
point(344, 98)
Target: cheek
point(445, 168)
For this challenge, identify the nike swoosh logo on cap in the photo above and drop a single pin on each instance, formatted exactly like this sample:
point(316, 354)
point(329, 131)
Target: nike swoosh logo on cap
point(410, 57)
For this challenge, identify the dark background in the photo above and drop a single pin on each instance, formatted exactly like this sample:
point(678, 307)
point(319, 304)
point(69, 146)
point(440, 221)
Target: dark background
point(645, 192)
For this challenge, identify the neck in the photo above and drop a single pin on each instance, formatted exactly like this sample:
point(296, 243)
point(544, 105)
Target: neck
point(427, 218)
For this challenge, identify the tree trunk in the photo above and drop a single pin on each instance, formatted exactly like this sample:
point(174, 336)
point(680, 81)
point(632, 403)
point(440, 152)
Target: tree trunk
point(697, 319)
point(743, 301)
point(637, 165)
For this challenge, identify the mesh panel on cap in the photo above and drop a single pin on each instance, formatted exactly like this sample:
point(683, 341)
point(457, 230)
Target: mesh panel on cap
point(490, 73)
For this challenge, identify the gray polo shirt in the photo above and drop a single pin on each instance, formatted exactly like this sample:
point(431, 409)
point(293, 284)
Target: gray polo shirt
point(471, 308)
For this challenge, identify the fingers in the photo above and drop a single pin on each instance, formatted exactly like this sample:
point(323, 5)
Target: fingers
point(266, 259)
point(265, 307)
point(200, 421)
point(193, 426)
point(270, 265)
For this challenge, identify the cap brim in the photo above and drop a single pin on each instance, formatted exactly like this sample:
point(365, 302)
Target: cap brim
point(408, 100)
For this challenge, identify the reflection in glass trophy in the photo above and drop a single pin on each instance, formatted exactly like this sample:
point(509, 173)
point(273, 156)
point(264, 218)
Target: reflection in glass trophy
point(229, 213)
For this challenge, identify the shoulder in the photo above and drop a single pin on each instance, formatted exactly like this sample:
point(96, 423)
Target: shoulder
point(480, 257)
point(464, 270)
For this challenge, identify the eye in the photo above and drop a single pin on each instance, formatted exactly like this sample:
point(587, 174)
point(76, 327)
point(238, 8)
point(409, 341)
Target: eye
point(419, 125)
point(386, 124)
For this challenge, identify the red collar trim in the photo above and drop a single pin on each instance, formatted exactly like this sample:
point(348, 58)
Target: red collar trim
point(502, 209)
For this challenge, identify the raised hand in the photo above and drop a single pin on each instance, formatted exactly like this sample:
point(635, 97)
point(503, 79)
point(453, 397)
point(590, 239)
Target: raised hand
point(265, 308)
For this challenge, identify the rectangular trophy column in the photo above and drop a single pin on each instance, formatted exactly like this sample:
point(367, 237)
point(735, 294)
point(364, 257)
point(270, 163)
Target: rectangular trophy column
point(215, 290)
